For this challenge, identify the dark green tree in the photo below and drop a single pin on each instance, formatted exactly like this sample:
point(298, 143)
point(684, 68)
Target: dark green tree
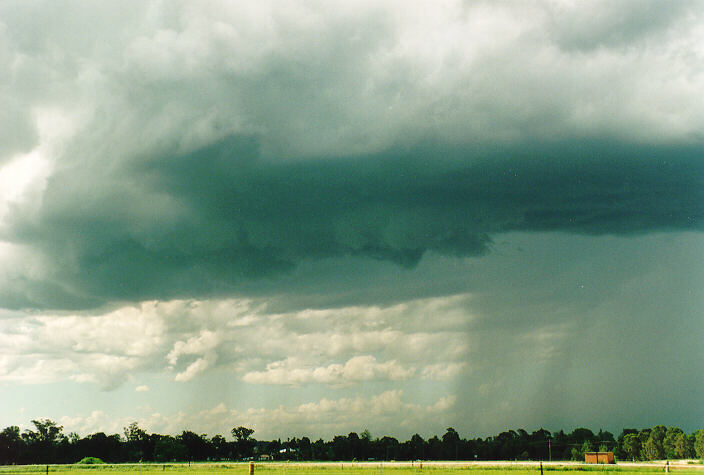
point(450, 444)
point(417, 447)
point(11, 446)
point(99, 445)
point(243, 444)
point(319, 449)
point(618, 449)
point(221, 447)
point(355, 445)
point(389, 448)
point(305, 449)
point(699, 444)
point(365, 444)
point(538, 447)
point(575, 454)
point(670, 440)
point(682, 449)
point(168, 449)
point(586, 447)
point(43, 442)
point(433, 448)
point(653, 447)
point(197, 446)
point(631, 446)
point(140, 446)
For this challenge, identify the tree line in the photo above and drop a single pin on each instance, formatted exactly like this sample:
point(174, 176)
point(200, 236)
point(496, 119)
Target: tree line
point(47, 443)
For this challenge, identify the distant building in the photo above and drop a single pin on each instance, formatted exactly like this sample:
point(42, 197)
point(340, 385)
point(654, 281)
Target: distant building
point(599, 457)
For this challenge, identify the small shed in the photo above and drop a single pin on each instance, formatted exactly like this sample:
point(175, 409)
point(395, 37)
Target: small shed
point(599, 457)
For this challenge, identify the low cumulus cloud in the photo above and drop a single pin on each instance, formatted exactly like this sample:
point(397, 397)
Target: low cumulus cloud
point(185, 339)
point(329, 417)
point(355, 370)
point(183, 152)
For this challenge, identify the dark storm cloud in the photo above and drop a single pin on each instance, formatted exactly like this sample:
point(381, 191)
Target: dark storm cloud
point(205, 222)
point(191, 151)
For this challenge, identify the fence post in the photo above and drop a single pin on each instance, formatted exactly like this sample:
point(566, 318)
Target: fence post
point(251, 468)
point(541, 467)
point(47, 469)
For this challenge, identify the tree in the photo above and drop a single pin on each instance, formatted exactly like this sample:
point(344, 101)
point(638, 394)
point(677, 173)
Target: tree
point(450, 441)
point(586, 447)
point(355, 445)
point(653, 447)
point(220, 446)
point(652, 450)
point(305, 448)
point(417, 447)
point(631, 446)
point(42, 442)
point(699, 443)
point(243, 443)
point(133, 433)
point(669, 441)
point(139, 444)
point(682, 449)
point(11, 446)
point(242, 433)
point(580, 434)
point(575, 455)
point(99, 445)
point(341, 448)
point(605, 436)
point(365, 444)
point(48, 432)
point(539, 447)
point(197, 446)
point(643, 437)
point(389, 448)
point(319, 450)
point(168, 449)
point(618, 448)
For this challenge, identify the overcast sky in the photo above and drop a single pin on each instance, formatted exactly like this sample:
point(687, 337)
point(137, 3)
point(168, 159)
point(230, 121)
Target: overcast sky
point(311, 218)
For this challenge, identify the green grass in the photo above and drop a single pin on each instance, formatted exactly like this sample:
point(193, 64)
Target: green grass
point(341, 468)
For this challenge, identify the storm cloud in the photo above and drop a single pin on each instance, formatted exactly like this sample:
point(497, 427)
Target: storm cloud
point(200, 223)
point(481, 180)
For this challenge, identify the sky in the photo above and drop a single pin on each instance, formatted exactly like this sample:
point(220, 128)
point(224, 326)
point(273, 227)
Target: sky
point(312, 218)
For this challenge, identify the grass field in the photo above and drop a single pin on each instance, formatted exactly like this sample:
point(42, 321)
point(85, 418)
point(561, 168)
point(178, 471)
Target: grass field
point(349, 468)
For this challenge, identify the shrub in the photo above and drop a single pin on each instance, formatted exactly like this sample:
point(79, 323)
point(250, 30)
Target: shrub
point(90, 460)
